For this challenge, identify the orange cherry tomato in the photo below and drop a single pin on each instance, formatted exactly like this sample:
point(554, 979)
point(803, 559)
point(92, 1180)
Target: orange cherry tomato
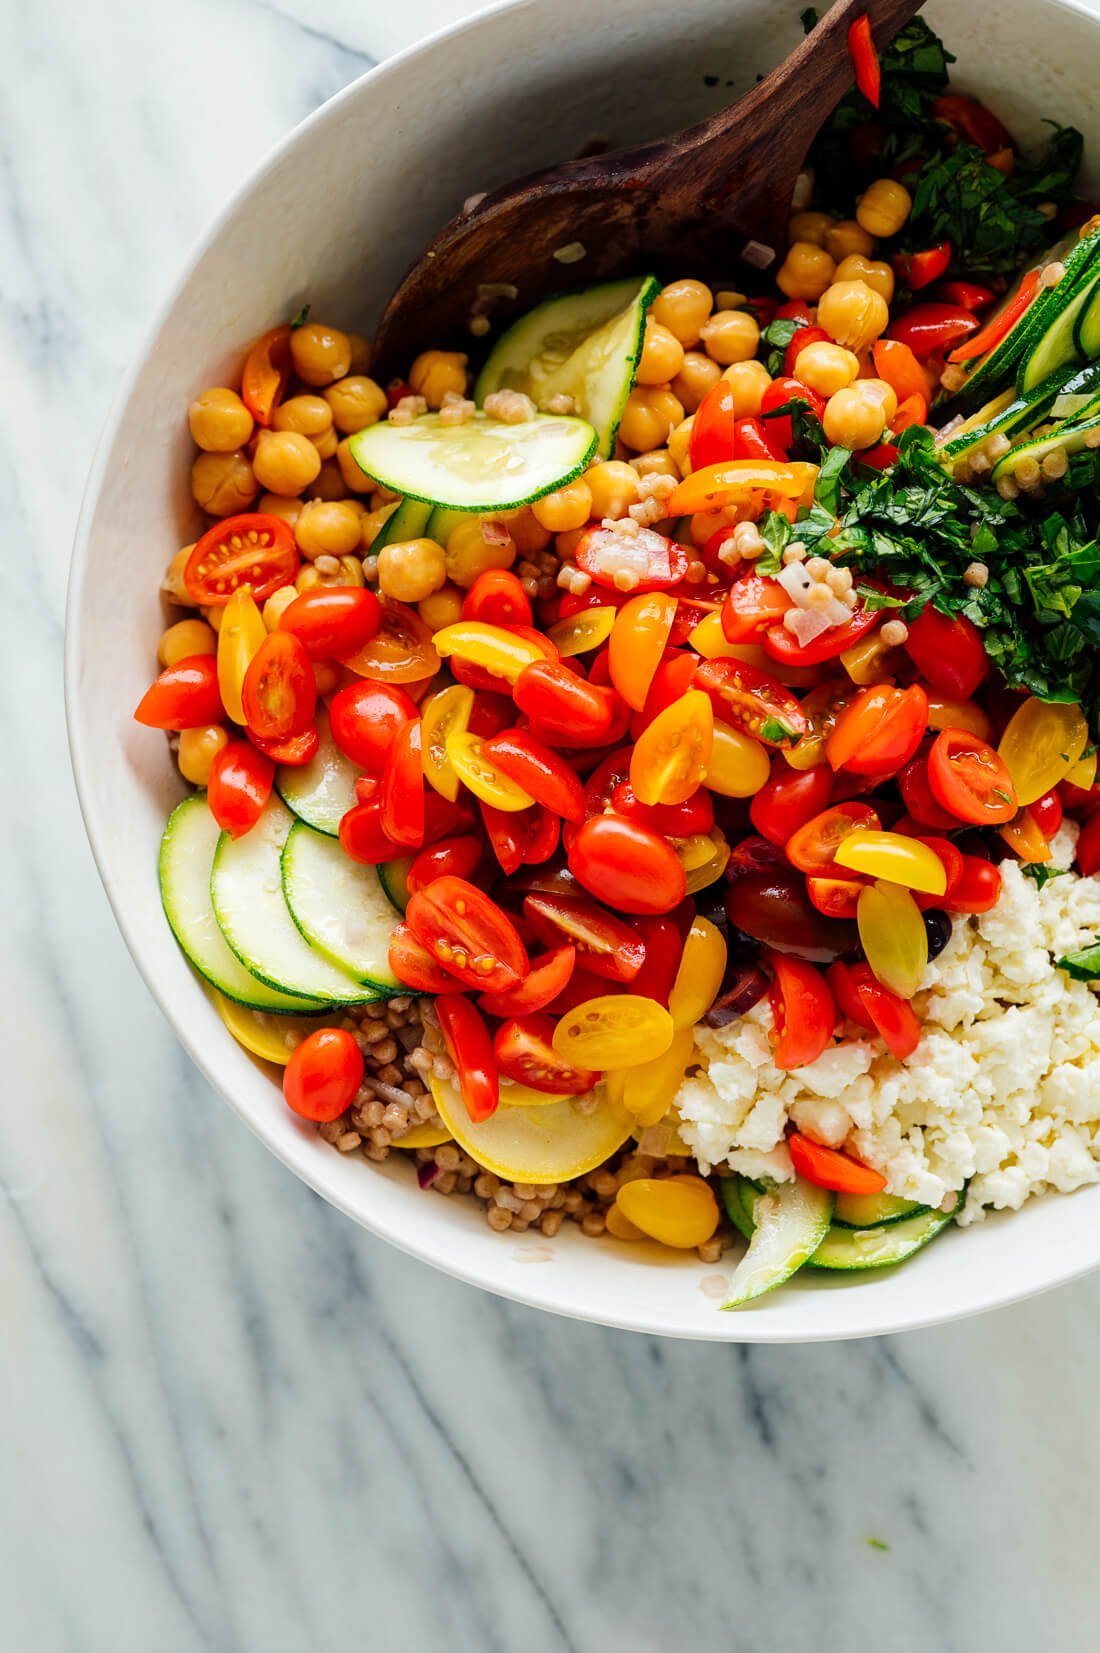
point(279, 693)
point(323, 1075)
point(896, 365)
point(415, 967)
point(497, 599)
point(330, 621)
point(184, 696)
point(605, 946)
point(671, 754)
point(401, 650)
point(913, 411)
point(470, 1048)
point(524, 1052)
point(803, 1011)
point(970, 779)
point(401, 797)
point(812, 849)
point(826, 1168)
point(879, 731)
point(1025, 837)
point(627, 865)
point(267, 374)
point(239, 786)
point(253, 549)
point(548, 977)
point(751, 702)
point(637, 643)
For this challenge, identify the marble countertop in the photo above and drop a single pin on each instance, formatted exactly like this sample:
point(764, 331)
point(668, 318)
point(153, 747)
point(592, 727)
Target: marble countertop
point(229, 1420)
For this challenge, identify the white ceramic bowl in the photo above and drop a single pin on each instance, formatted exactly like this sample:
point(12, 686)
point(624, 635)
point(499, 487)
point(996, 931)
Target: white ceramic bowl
point(361, 185)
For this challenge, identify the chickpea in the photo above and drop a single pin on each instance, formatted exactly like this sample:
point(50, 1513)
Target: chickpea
point(185, 638)
point(371, 525)
point(308, 415)
point(527, 531)
point(330, 482)
point(219, 420)
point(326, 443)
point(683, 307)
point(475, 546)
point(749, 381)
point(441, 608)
point(806, 271)
point(826, 368)
point(662, 356)
point(698, 375)
point(320, 354)
point(410, 570)
point(566, 544)
point(651, 414)
point(172, 584)
point(678, 443)
point(878, 276)
point(327, 528)
point(223, 483)
point(567, 507)
point(285, 462)
point(614, 488)
point(348, 571)
point(360, 353)
point(355, 403)
point(353, 474)
point(853, 419)
point(731, 336)
point(197, 750)
point(809, 226)
point(435, 372)
point(213, 617)
point(277, 605)
point(281, 506)
point(658, 462)
point(853, 314)
point(884, 207)
point(847, 237)
point(886, 394)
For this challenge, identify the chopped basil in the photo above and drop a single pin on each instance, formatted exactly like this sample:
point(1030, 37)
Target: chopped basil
point(1084, 965)
point(1042, 872)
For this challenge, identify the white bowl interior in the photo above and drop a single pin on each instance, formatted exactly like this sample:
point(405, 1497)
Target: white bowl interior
point(332, 219)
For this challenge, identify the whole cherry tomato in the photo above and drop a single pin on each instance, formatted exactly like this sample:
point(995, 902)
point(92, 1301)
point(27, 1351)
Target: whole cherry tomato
point(605, 945)
point(979, 888)
point(279, 693)
point(826, 1168)
point(920, 800)
point(459, 857)
point(948, 651)
point(253, 548)
point(470, 1048)
point(628, 866)
point(323, 1075)
point(802, 1009)
point(415, 967)
point(879, 731)
point(547, 978)
point(539, 770)
point(467, 934)
point(331, 621)
point(683, 820)
point(970, 779)
point(524, 1052)
point(401, 795)
point(366, 718)
point(239, 786)
point(497, 598)
point(184, 696)
point(789, 799)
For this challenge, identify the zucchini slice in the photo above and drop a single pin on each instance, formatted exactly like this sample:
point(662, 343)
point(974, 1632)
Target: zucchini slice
point(584, 344)
point(1072, 435)
point(735, 1210)
point(873, 1210)
point(246, 888)
point(790, 1221)
point(339, 906)
point(394, 879)
point(408, 522)
point(321, 791)
point(1087, 331)
point(186, 857)
point(442, 523)
point(1057, 346)
point(483, 465)
point(1009, 415)
point(866, 1248)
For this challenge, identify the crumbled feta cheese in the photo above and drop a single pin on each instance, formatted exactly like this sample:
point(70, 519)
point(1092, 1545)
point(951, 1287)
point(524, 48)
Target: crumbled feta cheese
point(1002, 1093)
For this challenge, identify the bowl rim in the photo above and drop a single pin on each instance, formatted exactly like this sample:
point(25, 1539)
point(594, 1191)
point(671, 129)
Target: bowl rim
point(723, 1329)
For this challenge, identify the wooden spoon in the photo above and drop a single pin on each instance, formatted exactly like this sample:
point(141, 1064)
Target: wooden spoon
point(699, 203)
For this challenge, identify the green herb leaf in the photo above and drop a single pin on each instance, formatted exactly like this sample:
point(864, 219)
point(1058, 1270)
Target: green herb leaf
point(1083, 965)
point(300, 319)
point(1042, 872)
point(777, 336)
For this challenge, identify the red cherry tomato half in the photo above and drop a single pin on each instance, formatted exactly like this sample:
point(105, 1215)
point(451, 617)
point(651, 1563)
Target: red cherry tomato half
point(363, 838)
point(1047, 813)
point(539, 770)
point(1088, 847)
point(330, 621)
point(631, 868)
point(803, 1011)
point(754, 602)
point(788, 651)
point(979, 888)
point(921, 269)
point(366, 718)
point(920, 800)
point(674, 676)
point(605, 946)
point(835, 897)
point(468, 934)
point(456, 857)
point(663, 949)
point(266, 373)
point(773, 908)
point(323, 1075)
point(497, 598)
point(184, 696)
point(751, 701)
point(712, 427)
point(470, 1048)
point(879, 731)
point(948, 651)
point(645, 561)
point(812, 849)
point(524, 1052)
point(294, 750)
point(563, 703)
point(239, 786)
point(524, 837)
point(694, 815)
point(253, 549)
point(970, 294)
point(279, 693)
point(881, 457)
point(972, 121)
point(825, 1168)
point(415, 967)
point(548, 977)
point(952, 858)
point(443, 819)
point(401, 795)
point(931, 328)
point(789, 799)
point(780, 393)
point(844, 980)
point(757, 439)
point(970, 779)
point(608, 775)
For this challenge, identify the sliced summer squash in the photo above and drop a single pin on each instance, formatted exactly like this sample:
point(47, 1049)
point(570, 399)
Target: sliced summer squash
point(865, 1248)
point(791, 1221)
point(186, 857)
point(339, 906)
point(584, 344)
point(262, 1036)
point(872, 1210)
point(246, 888)
point(482, 465)
point(548, 1143)
point(321, 791)
point(408, 522)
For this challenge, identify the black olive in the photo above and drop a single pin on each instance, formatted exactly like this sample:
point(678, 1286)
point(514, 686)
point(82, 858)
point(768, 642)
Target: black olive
point(744, 985)
point(938, 926)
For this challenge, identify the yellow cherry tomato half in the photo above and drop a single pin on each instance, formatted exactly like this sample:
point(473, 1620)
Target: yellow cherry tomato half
point(678, 1211)
point(893, 856)
point(266, 1035)
point(893, 937)
point(647, 1090)
point(445, 713)
point(716, 486)
point(959, 714)
point(704, 858)
point(1041, 744)
point(589, 629)
point(637, 642)
point(738, 766)
point(617, 1030)
point(620, 1227)
point(1083, 773)
point(702, 967)
point(466, 754)
point(239, 637)
point(671, 754)
point(491, 647)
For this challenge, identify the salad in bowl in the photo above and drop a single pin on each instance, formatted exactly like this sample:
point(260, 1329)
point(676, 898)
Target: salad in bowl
point(644, 759)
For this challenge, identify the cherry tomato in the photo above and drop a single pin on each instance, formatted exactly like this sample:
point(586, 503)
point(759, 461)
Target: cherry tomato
point(279, 693)
point(972, 121)
point(970, 294)
point(754, 602)
point(879, 458)
point(896, 365)
point(970, 779)
point(1041, 743)
point(468, 934)
point(637, 644)
point(498, 598)
point(323, 1075)
point(366, 718)
point(913, 411)
point(778, 394)
point(401, 650)
point(548, 978)
point(864, 56)
point(641, 562)
point(1082, 802)
point(628, 866)
point(751, 702)
point(401, 796)
point(253, 549)
point(826, 1168)
point(583, 632)
point(614, 1031)
point(363, 838)
point(521, 837)
point(803, 1011)
point(671, 754)
point(293, 750)
point(266, 374)
point(331, 621)
point(1001, 323)
point(844, 982)
point(562, 701)
point(930, 328)
point(694, 814)
point(663, 950)
point(789, 799)
point(600, 787)
point(795, 309)
point(812, 848)
point(754, 854)
point(921, 269)
point(785, 648)
point(444, 819)
point(457, 857)
point(470, 1048)
point(524, 1052)
point(947, 649)
point(1047, 812)
point(712, 429)
point(920, 800)
point(804, 336)
point(240, 637)
point(491, 713)
point(239, 786)
point(757, 439)
point(835, 897)
point(1024, 838)
point(673, 678)
point(879, 731)
point(539, 770)
point(184, 696)
point(979, 888)
point(1088, 847)
point(690, 612)
point(952, 858)
point(605, 945)
point(415, 967)
point(773, 908)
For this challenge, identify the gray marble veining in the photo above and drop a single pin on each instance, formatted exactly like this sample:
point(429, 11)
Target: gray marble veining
point(229, 1420)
